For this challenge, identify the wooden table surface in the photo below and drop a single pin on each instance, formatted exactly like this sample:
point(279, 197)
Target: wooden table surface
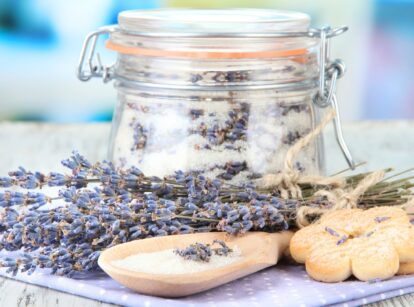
point(42, 146)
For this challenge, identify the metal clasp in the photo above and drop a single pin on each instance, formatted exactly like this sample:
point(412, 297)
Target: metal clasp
point(329, 73)
point(94, 68)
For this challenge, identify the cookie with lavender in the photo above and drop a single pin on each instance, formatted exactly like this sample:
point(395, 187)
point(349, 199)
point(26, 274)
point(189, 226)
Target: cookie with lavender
point(368, 244)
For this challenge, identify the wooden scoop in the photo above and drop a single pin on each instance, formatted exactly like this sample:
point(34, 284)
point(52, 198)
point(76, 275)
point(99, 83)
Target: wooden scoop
point(259, 250)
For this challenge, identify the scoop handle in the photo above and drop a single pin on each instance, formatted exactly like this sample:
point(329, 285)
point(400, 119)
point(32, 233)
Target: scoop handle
point(279, 244)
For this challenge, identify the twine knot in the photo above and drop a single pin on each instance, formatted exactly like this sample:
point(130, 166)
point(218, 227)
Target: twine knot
point(286, 183)
point(288, 180)
point(339, 198)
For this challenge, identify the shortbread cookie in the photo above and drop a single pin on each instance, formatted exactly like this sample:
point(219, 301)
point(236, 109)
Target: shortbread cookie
point(368, 244)
point(406, 268)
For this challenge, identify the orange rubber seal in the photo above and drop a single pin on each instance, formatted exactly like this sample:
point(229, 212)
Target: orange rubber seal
point(207, 54)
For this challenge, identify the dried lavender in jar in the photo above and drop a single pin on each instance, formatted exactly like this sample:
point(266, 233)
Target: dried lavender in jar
point(227, 108)
point(231, 138)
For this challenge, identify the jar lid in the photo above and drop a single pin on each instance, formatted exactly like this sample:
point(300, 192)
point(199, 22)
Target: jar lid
point(231, 21)
point(217, 34)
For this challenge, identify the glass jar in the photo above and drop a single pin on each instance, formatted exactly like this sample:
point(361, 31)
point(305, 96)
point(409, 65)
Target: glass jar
point(223, 93)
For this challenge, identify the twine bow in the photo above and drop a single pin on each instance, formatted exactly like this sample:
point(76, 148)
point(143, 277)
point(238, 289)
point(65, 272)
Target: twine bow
point(339, 198)
point(289, 179)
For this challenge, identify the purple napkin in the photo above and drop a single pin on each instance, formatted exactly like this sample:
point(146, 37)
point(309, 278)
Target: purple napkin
point(282, 285)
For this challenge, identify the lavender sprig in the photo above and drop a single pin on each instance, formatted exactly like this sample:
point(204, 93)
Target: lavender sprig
point(13, 198)
point(202, 252)
point(124, 205)
point(196, 252)
point(94, 222)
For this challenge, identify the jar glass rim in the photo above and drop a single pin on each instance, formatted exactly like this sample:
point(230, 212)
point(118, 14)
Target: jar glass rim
point(214, 20)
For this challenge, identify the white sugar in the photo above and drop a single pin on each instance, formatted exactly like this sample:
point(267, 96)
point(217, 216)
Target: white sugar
point(167, 262)
point(207, 133)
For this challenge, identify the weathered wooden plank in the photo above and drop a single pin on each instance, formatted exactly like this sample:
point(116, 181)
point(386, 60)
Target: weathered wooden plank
point(19, 294)
point(399, 301)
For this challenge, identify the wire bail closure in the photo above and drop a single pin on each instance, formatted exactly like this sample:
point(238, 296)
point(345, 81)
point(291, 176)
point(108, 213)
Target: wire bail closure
point(329, 73)
point(95, 68)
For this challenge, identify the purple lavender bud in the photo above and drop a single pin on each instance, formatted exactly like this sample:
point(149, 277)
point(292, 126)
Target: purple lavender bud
point(216, 183)
point(6, 182)
point(116, 225)
point(135, 235)
point(229, 229)
point(173, 230)
point(19, 174)
point(380, 219)
point(243, 195)
point(30, 183)
point(56, 179)
point(94, 256)
point(7, 262)
point(16, 198)
point(261, 222)
point(262, 196)
point(122, 235)
point(161, 232)
point(219, 213)
point(243, 210)
point(76, 161)
point(153, 228)
point(185, 229)
point(77, 230)
point(151, 205)
point(232, 216)
point(191, 207)
point(258, 211)
point(135, 171)
point(108, 191)
point(43, 258)
point(253, 194)
point(134, 228)
point(342, 240)
point(285, 225)
point(69, 163)
point(247, 225)
point(276, 202)
point(68, 194)
point(368, 234)
point(332, 232)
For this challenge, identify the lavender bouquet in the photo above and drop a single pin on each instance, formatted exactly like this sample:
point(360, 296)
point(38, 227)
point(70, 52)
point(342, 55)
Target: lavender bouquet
point(99, 206)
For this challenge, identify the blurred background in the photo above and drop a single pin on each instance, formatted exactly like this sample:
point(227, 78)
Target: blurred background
point(40, 41)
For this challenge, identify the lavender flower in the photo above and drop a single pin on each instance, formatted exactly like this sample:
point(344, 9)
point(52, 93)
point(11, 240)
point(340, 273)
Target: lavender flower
point(13, 198)
point(195, 252)
point(342, 240)
point(6, 182)
point(380, 219)
point(332, 232)
point(123, 205)
point(202, 252)
point(223, 250)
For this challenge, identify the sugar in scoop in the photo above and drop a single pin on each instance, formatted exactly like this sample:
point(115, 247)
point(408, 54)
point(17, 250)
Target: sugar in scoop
point(168, 261)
